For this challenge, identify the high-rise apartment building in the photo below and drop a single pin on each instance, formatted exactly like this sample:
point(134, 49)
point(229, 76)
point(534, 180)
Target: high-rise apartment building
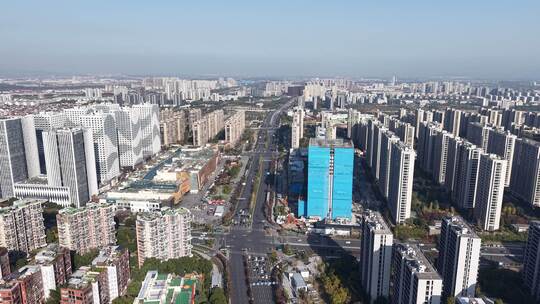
point(414, 280)
point(440, 159)
point(503, 144)
point(164, 234)
point(387, 141)
point(490, 190)
point(128, 123)
point(330, 175)
point(525, 178)
point(459, 257)
point(55, 265)
point(234, 127)
point(400, 182)
point(22, 227)
point(531, 260)
point(150, 135)
point(5, 269)
point(478, 134)
point(465, 178)
point(297, 128)
point(452, 121)
point(207, 127)
point(86, 286)
point(375, 255)
point(103, 126)
point(426, 145)
point(88, 228)
point(172, 126)
point(70, 159)
point(114, 260)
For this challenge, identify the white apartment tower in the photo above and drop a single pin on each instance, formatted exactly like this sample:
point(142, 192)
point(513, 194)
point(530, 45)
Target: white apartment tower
point(150, 136)
point(466, 175)
point(388, 140)
point(130, 150)
point(489, 193)
point(503, 144)
point(459, 257)
point(441, 156)
point(297, 128)
point(401, 182)
point(164, 234)
point(376, 255)
point(531, 260)
point(414, 280)
point(103, 126)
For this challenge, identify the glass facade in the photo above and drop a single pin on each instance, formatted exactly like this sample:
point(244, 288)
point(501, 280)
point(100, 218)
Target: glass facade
point(330, 177)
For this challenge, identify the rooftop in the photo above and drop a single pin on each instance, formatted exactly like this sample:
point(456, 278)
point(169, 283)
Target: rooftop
point(329, 143)
point(461, 227)
point(148, 216)
point(375, 220)
point(417, 262)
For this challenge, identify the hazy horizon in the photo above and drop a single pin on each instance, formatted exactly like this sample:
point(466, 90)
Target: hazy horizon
point(412, 39)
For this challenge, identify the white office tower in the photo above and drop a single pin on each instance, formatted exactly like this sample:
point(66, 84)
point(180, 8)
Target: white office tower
point(103, 126)
point(531, 260)
point(490, 190)
point(128, 125)
point(150, 137)
point(466, 175)
point(71, 163)
point(164, 234)
point(525, 178)
point(414, 280)
point(30, 145)
point(297, 128)
point(13, 165)
point(459, 257)
point(478, 134)
point(375, 255)
point(503, 144)
point(441, 156)
point(400, 182)
point(388, 139)
point(45, 121)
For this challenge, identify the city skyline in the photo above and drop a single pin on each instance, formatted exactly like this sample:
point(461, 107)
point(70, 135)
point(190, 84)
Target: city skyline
point(413, 39)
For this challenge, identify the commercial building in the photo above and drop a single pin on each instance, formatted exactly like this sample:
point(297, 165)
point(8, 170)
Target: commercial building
point(22, 227)
point(88, 228)
point(459, 257)
point(44, 121)
point(531, 260)
point(103, 126)
point(400, 181)
point(69, 157)
point(234, 127)
point(115, 262)
point(164, 234)
point(330, 174)
point(414, 280)
point(490, 190)
point(525, 178)
point(375, 255)
point(13, 165)
point(38, 188)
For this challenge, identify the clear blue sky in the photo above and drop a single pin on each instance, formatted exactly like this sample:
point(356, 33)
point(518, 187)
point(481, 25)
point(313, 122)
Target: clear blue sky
point(474, 38)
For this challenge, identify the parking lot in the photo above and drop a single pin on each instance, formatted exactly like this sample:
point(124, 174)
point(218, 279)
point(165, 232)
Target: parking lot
point(258, 274)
